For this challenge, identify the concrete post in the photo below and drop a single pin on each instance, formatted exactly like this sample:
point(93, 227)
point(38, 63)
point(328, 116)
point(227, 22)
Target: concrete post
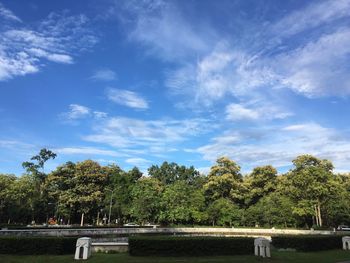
point(83, 248)
point(262, 247)
point(346, 242)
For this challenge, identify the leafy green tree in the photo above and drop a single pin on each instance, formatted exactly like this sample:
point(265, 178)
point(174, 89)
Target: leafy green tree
point(338, 206)
point(60, 185)
point(88, 192)
point(146, 199)
point(224, 180)
point(34, 168)
point(169, 173)
point(23, 193)
point(6, 195)
point(271, 210)
point(182, 203)
point(36, 171)
point(224, 212)
point(311, 184)
point(121, 185)
point(260, 183)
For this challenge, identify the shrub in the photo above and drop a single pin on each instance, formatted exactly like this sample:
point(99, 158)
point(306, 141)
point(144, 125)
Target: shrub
point(189, 246)
point(37, 245)
point(308, 243)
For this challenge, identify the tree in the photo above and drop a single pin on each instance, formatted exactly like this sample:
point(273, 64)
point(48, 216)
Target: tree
point(224, 180)
point(37, 172)
point(60, 185)
point(41, 158)
point(146, 198)
point(182, 203)
point(121, 185)
point(6, 195)
point(88, 194)
point(224, 212)
point(169, 173)
point(311, 184)
point(260, 182)
point(271, 210)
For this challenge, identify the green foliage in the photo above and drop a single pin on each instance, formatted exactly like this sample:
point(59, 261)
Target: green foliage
point(260, 182)
point(271, 210)
point(37, 245)
point(223, 212)
point(308, 243)
point(224, 180)
point(182, 203)
point(308, 194)
point(311, 185)
point(146, 199)
point(189, 246)
point(169, 173)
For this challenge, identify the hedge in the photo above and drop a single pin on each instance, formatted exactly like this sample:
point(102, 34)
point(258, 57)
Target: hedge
point(37, 245)
point(189, 246)
point(308, 243)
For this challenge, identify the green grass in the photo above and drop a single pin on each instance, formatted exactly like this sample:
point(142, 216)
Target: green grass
point(331, 256)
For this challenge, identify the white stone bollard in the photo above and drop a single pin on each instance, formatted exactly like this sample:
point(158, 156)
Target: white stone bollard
point(83, 248)
point(262, 247)
point(346, 242)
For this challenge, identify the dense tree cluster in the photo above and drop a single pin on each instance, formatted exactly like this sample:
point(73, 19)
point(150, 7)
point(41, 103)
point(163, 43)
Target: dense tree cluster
point(308, 194)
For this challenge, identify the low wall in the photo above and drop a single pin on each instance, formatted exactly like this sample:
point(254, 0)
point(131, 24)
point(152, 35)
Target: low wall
point(170, 231)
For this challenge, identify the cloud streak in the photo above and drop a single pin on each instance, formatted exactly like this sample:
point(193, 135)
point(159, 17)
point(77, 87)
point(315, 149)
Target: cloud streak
point(25, 49)
point(8, 14)
point(279, 145)
point(104, 75)
point(127, 98)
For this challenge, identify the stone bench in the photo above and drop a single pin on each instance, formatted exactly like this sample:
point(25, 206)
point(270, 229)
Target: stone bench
point(346, 242)
point(262, 247)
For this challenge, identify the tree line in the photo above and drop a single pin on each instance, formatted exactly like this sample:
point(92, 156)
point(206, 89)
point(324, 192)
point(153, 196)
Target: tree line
point(309, 194)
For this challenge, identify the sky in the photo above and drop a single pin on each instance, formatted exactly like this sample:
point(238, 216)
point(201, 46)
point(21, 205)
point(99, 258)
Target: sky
point(140, 82)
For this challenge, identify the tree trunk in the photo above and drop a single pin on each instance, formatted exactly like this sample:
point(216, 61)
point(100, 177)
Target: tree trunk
point(319, 214)
point(316, 216)
point(82, 219)
point(98, 218)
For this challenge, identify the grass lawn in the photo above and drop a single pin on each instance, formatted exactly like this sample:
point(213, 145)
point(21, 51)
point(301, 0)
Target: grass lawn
point(331, 256)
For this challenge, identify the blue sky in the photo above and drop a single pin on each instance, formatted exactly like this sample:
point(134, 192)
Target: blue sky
point(141, 82)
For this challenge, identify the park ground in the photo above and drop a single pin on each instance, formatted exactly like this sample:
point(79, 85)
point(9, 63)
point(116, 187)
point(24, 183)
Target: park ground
point(331, 256)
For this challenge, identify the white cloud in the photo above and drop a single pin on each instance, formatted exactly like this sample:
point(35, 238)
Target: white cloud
point(315, 14)
point(24, 49)
point(59, 58)
point(86, 151)
point(127, 98)
point(8, 14)
point(162, 29)
point(138, 161)
point(152, 137)
point(223, 72)
point(104, 75)
point(314, 65)
point(75, 112)
point(255, 111)
point(100, 114)
point(239, 112)
point(280, 145)
point(320, 68)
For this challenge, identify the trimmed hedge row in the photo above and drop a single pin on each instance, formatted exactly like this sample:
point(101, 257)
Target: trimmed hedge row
point(37, 245)
point(308, 243)
point(189, 246)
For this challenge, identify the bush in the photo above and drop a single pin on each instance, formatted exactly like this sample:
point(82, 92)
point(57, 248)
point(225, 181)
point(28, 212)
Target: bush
point(308, 243)
point(37, 245)
point(189, 246)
